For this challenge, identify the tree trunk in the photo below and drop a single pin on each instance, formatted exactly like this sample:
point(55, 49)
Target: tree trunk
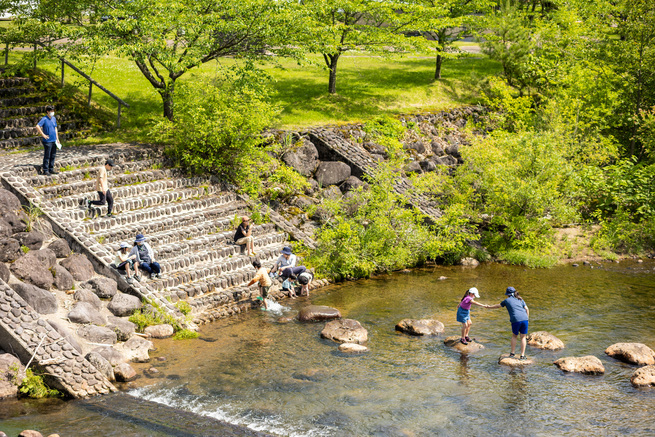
point(167, 100)
point(332, 84)
point(437, 71)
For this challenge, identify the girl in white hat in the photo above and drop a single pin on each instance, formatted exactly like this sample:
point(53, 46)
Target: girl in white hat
point(464, 312)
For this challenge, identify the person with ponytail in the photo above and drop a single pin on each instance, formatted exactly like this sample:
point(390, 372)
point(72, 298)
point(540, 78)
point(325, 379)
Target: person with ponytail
point(464, 312)
point(518, 317)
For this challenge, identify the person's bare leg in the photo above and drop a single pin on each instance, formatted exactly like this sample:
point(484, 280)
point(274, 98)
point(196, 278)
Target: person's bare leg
point(468, 328)
point(524, 343)
point(514, 343)
point(463, 330)
point(128, 270)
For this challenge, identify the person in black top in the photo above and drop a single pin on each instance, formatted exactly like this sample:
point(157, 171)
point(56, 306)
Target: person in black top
point(243, 236)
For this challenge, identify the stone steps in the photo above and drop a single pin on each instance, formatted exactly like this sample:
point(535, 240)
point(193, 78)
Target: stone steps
point(14, 91)
point(23, 132)
point(31, 121)
point(9, 82)
point(22, 111)
point(22, 101)
point(33, 141)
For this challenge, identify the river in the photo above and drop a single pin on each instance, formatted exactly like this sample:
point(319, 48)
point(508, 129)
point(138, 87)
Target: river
point(282, 378)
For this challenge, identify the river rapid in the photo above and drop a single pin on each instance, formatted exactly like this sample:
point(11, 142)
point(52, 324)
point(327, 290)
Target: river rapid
point(282, 378)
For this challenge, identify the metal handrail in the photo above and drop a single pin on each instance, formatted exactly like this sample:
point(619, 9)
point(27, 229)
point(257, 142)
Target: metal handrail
point(92, 82)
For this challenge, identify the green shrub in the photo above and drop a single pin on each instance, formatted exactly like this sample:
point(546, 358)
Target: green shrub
point(33, 386)
point(530, 258)
point(184, 307)
point(185, 334)
point(143, 319)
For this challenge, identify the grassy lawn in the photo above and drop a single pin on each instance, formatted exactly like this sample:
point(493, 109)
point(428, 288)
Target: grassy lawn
point(367, 87)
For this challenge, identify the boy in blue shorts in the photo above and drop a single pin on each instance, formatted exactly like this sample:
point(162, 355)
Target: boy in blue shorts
point(518, 317)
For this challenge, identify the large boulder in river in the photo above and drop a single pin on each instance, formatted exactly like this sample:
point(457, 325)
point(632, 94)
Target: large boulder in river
point(63, 279)
point(332, 173)
point(101, 364)
point(136, 349)
point(124, 372)
point(159, 331)
point(316, 313)
point(12, 373)
point(9, 250)
point(79, 266)
point(643, 377)
point(122, 304)
point(104, 288)
point(345, 331)
point(633, 353)
point(506, 360)
point(454, 342)
point(41, 300)
point(589, 365)
point(60, 247)
point(85, 312)
point(303, 159)
point(97, 334)
point(544, 340)
point(32, 239)
point(420, 327)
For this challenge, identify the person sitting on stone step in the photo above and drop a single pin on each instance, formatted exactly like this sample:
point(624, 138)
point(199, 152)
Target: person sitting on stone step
point(102, 187)
point(243, 236)
point(264, 281)
point(145, 256)
point(286, 265)
point(125, 261)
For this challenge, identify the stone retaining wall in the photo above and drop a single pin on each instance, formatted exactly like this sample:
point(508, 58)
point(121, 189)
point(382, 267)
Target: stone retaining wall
point(24, 333)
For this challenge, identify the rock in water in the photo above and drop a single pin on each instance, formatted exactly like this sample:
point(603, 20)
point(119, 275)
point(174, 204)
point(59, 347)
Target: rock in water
point(159, 331)
point(420, 327)
point(352, 348)
point(544, 340)
point(316, 313)
point(588, 365)
point(12, 373)
point(136, 349)
point(454, 342)
point(124, 372)
point(345, 331)
point(505, 360)
point(633, 353)
point(644, 377)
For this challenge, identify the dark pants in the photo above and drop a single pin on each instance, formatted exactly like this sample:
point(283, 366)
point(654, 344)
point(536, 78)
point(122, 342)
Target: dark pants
point(108, 199)
point(49, 154)
point(295, 271)
point(151, 267)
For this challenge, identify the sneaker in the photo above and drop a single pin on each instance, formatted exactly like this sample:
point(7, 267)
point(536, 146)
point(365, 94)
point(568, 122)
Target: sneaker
point(109, 215)
point(54, 172)
point(463, 341)
point(467, 338)
point(512, 355)
point(96, 212)
point(153, 275)
point(158, 275)
point(138, 278)
point(46, 173)
point(522, 358)
point(129, 280)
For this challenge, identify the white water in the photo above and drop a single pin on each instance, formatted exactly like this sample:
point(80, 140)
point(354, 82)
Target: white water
point(276, 308)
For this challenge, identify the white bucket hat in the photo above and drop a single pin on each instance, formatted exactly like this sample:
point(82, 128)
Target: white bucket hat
point(474, 291)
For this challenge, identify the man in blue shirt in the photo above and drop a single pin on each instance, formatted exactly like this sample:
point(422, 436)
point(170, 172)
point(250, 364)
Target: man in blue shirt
point(47, 128)
point(518, 317)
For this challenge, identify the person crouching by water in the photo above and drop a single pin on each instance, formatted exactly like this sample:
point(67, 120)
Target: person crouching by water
point(518, 317)
point(146, 257)
point(125, 261)
point(464, 312)
point(263, 279)
point(286, 266)
point(243, 236)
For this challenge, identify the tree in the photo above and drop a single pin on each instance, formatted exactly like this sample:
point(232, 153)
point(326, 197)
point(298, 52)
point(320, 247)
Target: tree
point(167, 38)
point(447, 21)
point(376, 26)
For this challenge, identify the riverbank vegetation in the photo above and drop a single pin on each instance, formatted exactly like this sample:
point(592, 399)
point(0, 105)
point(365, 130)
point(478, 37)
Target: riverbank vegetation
point(569, 139)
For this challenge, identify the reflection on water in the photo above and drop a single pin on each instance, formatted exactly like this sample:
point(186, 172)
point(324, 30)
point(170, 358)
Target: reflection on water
point(283, 378)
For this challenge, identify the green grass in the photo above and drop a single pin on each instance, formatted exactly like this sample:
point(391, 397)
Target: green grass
point(367, 87)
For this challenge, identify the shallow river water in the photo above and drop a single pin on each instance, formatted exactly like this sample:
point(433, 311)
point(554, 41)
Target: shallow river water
point(284, 379)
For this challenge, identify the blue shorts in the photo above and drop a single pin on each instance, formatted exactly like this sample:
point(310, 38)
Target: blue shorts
point(520, 327)
point(463, 315)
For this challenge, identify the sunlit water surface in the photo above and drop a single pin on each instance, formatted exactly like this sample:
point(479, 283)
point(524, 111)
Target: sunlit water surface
point(284, 379)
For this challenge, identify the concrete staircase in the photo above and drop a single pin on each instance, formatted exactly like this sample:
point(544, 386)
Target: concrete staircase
point(189, 222)
point(21, 108)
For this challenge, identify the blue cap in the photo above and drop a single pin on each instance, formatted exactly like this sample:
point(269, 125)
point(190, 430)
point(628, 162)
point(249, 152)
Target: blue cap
point(286, 250)
point(510, 290)
point(139, 238)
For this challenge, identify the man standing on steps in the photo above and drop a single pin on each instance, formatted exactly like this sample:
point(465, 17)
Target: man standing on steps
point(102, 187)
point(47, 128)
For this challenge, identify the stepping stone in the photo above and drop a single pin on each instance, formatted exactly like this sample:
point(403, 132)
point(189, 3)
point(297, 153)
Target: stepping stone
point(633, 353)
point(589, 365)
point(420, 327)
point(505, 360)
point(454, 342)
point(544, 340)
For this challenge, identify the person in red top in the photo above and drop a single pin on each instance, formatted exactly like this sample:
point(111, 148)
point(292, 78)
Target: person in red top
point(464, 312)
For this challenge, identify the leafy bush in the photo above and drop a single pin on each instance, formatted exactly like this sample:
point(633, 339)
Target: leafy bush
point(217, 125)
point(185, 334)
point(143, 319)
point(33, 386)
point(184, 307)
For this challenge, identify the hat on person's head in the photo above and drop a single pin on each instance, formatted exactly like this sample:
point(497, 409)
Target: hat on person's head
point(510, 291)
point(474, 292)
point(109, 162)
point(124, 245)
point(139, 238)
point(286, 250)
